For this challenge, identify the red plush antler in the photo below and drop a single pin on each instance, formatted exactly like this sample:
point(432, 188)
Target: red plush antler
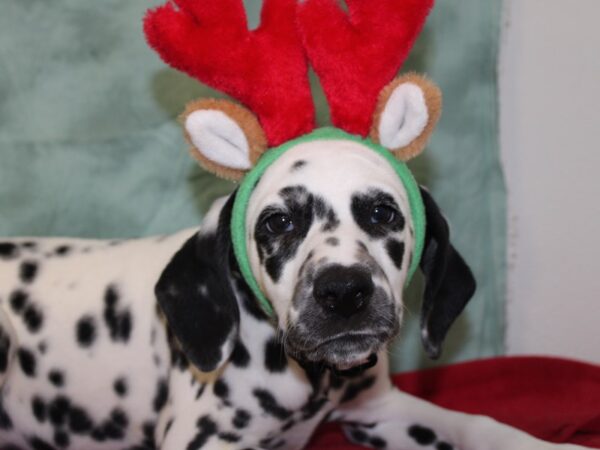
point(265, 69)
point(357, 54)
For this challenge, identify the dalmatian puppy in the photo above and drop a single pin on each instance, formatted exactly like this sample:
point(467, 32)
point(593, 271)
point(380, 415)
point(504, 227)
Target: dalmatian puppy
point(159, 343)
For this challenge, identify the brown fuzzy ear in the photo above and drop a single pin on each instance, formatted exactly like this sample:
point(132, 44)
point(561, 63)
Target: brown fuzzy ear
point(406, 114)
point(224, 137)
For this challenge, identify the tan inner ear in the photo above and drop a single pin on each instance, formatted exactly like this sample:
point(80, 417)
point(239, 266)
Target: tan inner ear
point(247, 121)
point(433, 101)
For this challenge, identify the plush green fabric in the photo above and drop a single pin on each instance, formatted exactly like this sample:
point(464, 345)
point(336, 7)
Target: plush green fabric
point(89, 146)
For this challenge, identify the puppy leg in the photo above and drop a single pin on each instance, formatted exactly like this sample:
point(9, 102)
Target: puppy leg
point(395, 420)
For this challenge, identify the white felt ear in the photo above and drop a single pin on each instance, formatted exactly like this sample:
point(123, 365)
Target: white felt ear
point(219, 138)
point(404, 116)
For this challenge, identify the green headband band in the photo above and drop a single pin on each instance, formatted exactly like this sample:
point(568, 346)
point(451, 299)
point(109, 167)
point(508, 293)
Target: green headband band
point(240, 205)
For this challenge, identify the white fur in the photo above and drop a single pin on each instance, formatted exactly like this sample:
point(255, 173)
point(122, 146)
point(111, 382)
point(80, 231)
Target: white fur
point(219, 138)
point(404, 117)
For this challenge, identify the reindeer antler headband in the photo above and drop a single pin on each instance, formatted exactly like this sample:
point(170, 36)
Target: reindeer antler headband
point(356, 56)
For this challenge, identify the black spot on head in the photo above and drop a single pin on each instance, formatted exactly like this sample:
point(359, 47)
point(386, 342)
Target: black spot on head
point(362, 206)
point(61, 438)
point(79, 420)
point(119, 418)
point(39, 409)
point(28, 271)
point(422, 435)
point(358, 436)
point(443, 446)
point(200, 390)
point(120, 386)
point(276, 249)
point(62, 250)
point(333, 241)
point(85, 331)
point(240, 356)
point(118, 321)
point(221, 389)
point(8, 250)
point(161, 395)
point(39, 444)
point(288, 425)
point(275, 357)
point(241, 419)
point(18, 299)
point(33, 318)
point(27, 361)
point(298, 165)
point(395, 250)
point(354, 389)
point(42, 347)
point(270, 405)
point(57, 378)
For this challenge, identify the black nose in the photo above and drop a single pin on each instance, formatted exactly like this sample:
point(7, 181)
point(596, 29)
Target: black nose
point(343, 290)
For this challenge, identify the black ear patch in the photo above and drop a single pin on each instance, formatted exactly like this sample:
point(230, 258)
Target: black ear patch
point(449, 283)
point(195, 294)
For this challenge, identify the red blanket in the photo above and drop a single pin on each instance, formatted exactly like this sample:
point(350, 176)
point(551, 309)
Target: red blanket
point(553, 399)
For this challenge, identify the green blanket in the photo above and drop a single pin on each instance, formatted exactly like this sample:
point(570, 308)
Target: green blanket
point(89, 146)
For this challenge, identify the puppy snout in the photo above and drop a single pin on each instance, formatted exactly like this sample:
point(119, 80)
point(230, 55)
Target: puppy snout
point(343, 290)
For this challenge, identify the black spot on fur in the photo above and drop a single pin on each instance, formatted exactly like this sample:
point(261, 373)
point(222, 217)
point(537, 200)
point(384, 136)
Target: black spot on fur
point(5, 421)
point(200, 390)
point(57, 378)
point(358, 436)
point(62, 250)
point(33, 318)
point(354, 389)
point(119, 418)
point(149, 428)
point(229, 437)
point(4, 350)
point(118, 321)
point(39, 444)
point(333, 241)
point(58, 410)
point(18, 299)
point(79, 420)
point(288, 425)
point(240, 356)
point(297, 165)
point(395, 250)
point(61, 438)
point(276, 249)
point(377, 442)
point(8, 250)
point(422, 435)
point(312, 407)
point(162, 393)
point(241, 419)
point(221, 389)
point(28, 271)
point(42, 347)
point(443, 446)
point(362, 208)
point(85, 331)
point(27, 362)
point(39, 409)
point(275, 357)
point(270, 405)
point(206, 429)
point(120, 386)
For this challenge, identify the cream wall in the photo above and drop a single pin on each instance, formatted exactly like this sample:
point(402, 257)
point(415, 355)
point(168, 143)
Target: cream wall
point(550, 140)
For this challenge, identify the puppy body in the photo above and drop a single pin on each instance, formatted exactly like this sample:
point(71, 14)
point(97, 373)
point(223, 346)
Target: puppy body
point(88, 360)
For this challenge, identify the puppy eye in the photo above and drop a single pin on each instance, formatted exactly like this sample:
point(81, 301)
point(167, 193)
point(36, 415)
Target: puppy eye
point(383, 214)
point(279, 224)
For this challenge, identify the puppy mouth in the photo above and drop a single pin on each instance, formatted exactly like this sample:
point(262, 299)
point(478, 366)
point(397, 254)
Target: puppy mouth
point(343, 352)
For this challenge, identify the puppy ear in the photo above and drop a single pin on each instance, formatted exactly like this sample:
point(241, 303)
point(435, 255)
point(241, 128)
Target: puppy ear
point(196, 297)
point(406, 114)
point(449, 283)
point(225, 138)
